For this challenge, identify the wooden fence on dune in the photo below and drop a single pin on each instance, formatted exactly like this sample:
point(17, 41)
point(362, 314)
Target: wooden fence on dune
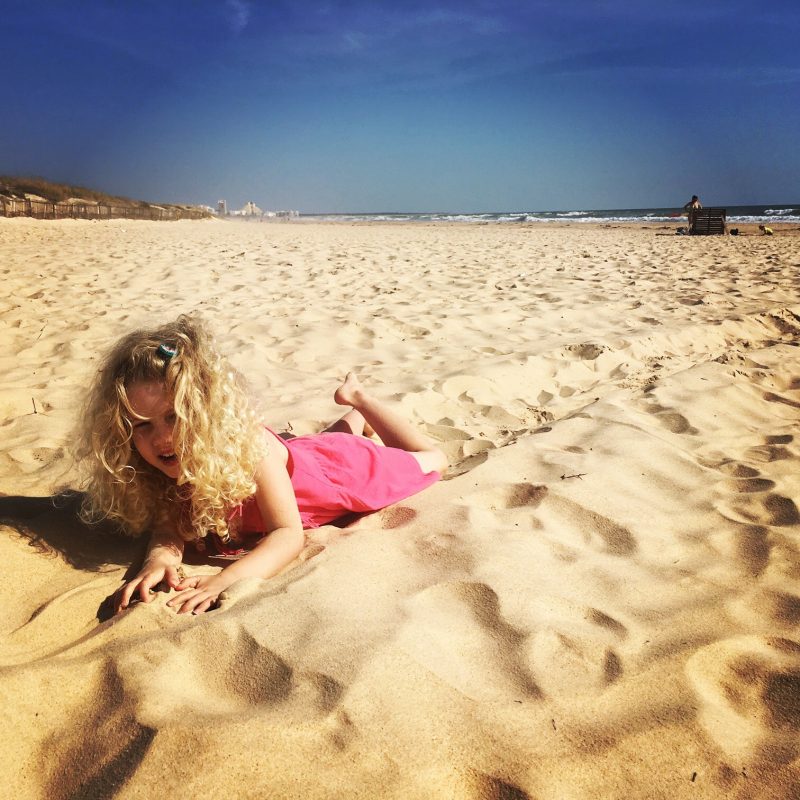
point(43, 209)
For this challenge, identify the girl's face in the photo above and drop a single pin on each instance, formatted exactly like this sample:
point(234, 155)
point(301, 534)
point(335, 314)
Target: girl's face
point(152, 436)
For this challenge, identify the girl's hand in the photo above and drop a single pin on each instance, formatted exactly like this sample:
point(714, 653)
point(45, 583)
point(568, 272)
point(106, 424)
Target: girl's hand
point(198, 593)
point(150, 575)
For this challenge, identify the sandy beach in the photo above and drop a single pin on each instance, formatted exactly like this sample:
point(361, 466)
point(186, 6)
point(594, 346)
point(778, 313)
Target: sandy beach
point(600, 600)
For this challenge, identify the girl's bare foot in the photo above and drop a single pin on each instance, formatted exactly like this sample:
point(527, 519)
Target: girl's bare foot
point(350, 392)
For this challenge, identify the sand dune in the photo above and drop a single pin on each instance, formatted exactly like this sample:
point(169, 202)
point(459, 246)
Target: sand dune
point(602, 599)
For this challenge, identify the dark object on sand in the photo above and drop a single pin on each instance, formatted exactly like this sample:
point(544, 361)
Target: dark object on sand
point(734, 231)
point(708, 222)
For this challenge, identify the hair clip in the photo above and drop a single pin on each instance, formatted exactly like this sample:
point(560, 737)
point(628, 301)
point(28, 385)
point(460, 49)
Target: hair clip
point(166, 351)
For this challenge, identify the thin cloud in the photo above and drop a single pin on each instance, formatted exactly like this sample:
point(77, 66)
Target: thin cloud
point(239, 15)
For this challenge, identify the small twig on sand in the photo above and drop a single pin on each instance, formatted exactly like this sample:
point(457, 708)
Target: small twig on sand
point(576, 475)
point(33, 400)
point(41, 331)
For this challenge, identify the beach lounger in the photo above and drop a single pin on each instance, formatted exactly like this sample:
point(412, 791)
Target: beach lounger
point(708, 221)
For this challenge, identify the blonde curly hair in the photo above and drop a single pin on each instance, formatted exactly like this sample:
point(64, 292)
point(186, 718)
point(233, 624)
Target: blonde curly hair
point(218, 437)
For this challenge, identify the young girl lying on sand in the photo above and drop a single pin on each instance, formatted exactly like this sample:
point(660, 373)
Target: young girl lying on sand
point(174, 448)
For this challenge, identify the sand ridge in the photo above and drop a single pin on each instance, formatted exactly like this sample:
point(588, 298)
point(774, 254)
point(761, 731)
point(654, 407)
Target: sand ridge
point(602, 599)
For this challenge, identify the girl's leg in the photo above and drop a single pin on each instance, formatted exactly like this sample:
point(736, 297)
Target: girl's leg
point(351, 422)
point(394, 430)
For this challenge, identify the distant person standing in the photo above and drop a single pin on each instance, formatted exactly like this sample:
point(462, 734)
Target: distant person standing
point(690, 208)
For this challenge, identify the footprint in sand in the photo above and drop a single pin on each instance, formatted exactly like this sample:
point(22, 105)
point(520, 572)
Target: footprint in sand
point(753, 545)
point(99, 745)
point(574, 524)
point(749, 693)
point(736, 470)
point(212, 670)
point(766, 453)
point(30, 459)
point(675, 422)
point(574, 650)
point(767, 607)
point(458, 632)
point(765, 508)
point(781, 438)
point(786, 383)
point(746, 485)
point(511, 506)
point(771, 397)
point(586, 351)
point(749, 497)
point(472, 784)
point(668, 418)
point(175, 687)
point(508, 496)
point(577, 524)
point(395, 517)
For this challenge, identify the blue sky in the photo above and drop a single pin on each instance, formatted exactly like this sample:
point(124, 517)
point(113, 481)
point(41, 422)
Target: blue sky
point(416, 106)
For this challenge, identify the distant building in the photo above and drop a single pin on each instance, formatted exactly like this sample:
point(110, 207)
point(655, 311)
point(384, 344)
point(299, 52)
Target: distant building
point(251, 210)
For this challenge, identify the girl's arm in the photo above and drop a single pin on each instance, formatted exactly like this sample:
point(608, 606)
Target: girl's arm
point(164, 554)
point(283, 543)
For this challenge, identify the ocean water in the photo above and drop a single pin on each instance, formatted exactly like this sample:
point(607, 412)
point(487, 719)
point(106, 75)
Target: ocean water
point(762, 215)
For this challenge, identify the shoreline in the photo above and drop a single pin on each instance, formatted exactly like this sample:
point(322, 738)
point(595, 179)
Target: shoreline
point(745, 228)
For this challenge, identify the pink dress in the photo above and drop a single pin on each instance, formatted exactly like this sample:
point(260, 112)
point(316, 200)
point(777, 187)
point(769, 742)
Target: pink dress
point(333, 474)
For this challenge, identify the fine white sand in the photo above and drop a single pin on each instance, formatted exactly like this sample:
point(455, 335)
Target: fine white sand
point(602, 598)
